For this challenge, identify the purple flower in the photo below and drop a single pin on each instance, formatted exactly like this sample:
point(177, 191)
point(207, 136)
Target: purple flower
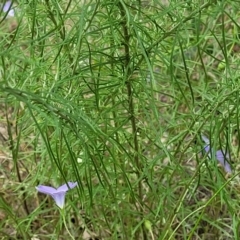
point(7, 8)
point(220, 155)
point(57, 194)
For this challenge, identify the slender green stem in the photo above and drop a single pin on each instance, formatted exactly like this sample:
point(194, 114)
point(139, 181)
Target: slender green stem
point(62, 212)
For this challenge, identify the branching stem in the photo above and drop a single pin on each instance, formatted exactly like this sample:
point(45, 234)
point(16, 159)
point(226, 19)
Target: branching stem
point(128, 73)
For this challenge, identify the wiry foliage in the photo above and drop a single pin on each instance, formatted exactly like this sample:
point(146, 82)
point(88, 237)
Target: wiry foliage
point(116, 95)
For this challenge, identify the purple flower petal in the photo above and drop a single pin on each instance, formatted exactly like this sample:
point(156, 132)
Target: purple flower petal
point(205, 139)
point(207, 146)
point(46, 189)
point(207, 149)
point(65, 186)
point(7, 8)
point(59, 198)
point(222, 158)
point(220, 155)
point(57, 194)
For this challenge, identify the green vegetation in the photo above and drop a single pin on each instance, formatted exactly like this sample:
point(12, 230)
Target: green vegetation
point(115, 95)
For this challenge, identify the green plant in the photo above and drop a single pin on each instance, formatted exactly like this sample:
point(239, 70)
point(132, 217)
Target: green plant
point(115, 96)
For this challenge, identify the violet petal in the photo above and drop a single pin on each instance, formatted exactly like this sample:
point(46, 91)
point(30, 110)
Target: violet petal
point(207, 149)
point(46, 190)
point(59, 198)
point(205, 139)
point(7, 8)
point(222, 158)
point(220, 155)
point(65, 187)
